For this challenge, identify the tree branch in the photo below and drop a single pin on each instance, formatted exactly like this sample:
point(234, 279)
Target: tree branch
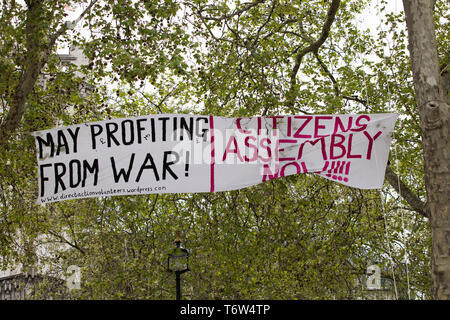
point(313, 47)
point(337, 90)
point(68, 25)
point(265, 23)
point(35, 59)
point(246, 6)
point(336, 87)
point(29, 75)
point(64, 240)
point(406, 193)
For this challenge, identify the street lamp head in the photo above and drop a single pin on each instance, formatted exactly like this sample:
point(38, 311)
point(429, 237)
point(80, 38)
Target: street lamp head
point(178, 259)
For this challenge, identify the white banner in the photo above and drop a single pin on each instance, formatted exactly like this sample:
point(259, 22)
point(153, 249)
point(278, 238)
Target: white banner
point(194, 153)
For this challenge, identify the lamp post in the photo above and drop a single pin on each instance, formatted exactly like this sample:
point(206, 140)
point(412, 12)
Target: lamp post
point(178, 262)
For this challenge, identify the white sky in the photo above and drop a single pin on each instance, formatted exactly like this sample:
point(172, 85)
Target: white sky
point(371, 16)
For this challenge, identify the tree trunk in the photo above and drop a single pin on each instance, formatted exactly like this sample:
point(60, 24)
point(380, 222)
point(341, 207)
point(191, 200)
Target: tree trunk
point(434, 121)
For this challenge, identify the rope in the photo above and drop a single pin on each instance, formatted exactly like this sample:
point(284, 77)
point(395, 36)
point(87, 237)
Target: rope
point(362, 62)
point(397, 162)
point(388, 245)
point(406, 259)
point(384, 210)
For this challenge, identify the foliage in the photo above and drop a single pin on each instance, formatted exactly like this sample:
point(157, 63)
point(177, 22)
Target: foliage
point(309, 239)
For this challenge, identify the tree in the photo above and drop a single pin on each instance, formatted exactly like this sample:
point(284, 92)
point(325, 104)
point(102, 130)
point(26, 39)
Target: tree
point(435, 96)
point(433, 108)
point(310, 239)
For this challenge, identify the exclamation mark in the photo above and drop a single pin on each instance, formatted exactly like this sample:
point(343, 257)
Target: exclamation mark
point(304, 167)
point(323, 169)
point(347, 170)
point(325, 166)
point(186, 166)
point(341, 169)
point(331, 169)
point(336, 168)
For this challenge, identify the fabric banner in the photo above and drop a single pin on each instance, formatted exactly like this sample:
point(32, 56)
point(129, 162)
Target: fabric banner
point(194, 153)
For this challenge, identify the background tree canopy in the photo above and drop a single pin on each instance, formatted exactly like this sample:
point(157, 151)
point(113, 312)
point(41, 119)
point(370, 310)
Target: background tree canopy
point(309, 239)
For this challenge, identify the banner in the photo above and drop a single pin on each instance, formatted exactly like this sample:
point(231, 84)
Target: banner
point(194, 153)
